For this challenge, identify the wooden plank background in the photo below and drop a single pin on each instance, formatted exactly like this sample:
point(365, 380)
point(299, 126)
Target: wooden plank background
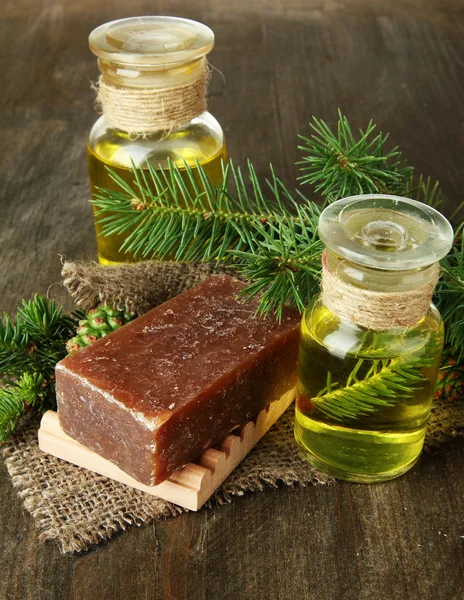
point(397, 62)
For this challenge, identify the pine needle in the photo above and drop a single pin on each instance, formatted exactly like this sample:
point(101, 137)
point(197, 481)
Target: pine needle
point(423, 190)
point(16, 398)
point(340, 165)
point(30, 347)
point(266, 231)
point(449, 295)
point(386, 383)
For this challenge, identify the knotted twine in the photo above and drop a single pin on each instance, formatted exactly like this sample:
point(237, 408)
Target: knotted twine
point(80, 509)
point(148, 110)
point(377, 311)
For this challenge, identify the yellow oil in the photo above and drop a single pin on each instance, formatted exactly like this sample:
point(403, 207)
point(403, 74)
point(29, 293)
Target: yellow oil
point(376, 445)
point(116, 150)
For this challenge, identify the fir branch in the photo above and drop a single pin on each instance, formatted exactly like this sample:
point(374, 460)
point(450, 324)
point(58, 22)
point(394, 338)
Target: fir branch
point(179, 213)
point(339, 165)
point(30, 347)
point(449, 295)
point(42, 320)
point(14, 345)
point(33, 342)
point(386, 383)
point(265, 231)
point(422, 189)
point(30, 391)
point(268, 233)
point(283, 263)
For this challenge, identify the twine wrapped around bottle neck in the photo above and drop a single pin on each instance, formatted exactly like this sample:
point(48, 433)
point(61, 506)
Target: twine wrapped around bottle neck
point(377, 311)
point(149, 110)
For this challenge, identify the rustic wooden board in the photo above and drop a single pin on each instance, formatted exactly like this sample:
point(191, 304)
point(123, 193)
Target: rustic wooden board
point(396, 61)
point(192, 485)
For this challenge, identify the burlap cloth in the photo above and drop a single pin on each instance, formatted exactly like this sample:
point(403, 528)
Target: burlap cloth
point(78, 508)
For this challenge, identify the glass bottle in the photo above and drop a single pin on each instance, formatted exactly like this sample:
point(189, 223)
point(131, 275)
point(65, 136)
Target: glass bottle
point(370, 344)
point(162, 57)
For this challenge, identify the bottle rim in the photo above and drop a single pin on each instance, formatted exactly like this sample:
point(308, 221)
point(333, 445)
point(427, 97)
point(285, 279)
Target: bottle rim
point(155, 41)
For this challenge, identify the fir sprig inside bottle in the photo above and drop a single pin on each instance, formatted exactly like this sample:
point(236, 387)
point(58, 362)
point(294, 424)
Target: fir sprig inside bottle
point(386, 383)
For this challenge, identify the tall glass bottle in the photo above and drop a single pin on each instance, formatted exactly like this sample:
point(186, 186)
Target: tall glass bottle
point(152, 92)
point(370, 345)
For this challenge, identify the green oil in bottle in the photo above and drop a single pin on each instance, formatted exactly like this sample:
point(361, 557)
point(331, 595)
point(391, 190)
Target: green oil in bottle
point(371, 437)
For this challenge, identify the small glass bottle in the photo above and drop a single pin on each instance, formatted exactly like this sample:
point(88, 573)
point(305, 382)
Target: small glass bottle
point(152, 92)
point(370, 345)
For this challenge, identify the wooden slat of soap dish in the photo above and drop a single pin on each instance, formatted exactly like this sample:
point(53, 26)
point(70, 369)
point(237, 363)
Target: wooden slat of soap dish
point(190, 486)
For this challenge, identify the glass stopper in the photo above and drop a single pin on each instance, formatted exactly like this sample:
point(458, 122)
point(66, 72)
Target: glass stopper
point(385, 232)
point(154, 41)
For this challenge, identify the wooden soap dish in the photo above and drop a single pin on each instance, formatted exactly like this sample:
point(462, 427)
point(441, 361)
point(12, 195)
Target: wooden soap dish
point(190, 486)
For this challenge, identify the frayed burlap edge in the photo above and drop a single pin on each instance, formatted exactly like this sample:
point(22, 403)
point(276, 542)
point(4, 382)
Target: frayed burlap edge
point(79, 509)
point(136, 287)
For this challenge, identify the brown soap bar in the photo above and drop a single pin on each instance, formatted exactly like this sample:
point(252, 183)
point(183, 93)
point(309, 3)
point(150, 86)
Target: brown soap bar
point(152, 395)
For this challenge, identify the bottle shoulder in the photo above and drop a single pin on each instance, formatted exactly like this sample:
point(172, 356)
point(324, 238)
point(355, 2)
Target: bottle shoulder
point(200, 140)
point(344, 338)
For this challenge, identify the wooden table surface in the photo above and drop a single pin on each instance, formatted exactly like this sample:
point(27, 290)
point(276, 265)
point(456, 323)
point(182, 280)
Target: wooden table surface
point(398, 62)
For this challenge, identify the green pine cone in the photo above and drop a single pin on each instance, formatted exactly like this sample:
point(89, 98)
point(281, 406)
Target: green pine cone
point(450, 380)
point(98, 322)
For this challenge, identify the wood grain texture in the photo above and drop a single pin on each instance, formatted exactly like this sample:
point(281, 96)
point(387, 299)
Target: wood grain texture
point(398, 62)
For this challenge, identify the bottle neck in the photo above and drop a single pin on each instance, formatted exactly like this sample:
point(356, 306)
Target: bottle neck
point(151, 77)
point(375, 299)
point(142, 101)
point(379, 280)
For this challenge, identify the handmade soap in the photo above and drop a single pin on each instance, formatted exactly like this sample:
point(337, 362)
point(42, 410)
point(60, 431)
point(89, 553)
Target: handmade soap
point(152, 395)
